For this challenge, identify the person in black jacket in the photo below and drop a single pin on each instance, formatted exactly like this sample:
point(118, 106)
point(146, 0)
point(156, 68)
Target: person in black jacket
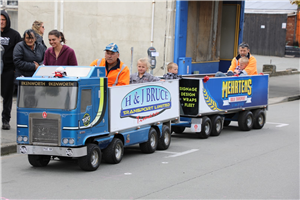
point(9, 38)
point(28, 54)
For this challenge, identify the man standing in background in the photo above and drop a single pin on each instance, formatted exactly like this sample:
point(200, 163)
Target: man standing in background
point(9, 39)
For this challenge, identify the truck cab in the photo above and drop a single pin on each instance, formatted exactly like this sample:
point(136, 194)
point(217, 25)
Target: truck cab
point(75, 115)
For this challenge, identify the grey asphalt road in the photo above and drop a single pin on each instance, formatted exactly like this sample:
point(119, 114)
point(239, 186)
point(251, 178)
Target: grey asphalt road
point(258, 164)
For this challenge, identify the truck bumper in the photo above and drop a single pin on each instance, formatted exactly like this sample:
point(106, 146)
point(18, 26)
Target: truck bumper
point(52, 151)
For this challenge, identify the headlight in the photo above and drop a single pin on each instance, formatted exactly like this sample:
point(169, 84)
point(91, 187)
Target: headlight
point(71, 141)
point(20, 138)
point(25, 138)
point(65, 140)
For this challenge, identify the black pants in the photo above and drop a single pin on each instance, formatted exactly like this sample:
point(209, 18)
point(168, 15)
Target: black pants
point(7, 88)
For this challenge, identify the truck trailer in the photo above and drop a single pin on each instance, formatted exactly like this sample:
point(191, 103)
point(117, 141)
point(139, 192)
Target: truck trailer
point(209, 103)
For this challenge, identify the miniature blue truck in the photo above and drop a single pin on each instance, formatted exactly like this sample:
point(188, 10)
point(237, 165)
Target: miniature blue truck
point(78, 116)
point(209, 103)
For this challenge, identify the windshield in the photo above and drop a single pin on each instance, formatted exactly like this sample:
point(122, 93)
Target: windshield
point(51, 94)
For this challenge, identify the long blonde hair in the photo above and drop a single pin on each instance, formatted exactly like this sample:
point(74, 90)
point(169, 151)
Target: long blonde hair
point(36, 27)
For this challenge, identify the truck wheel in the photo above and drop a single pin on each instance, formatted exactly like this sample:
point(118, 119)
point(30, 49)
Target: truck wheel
point(151, 144)
point(259, 119)
point(177, 129)
point(245, 120)
point(113, 154)
point(92, 160)
point(165, 139)
point(205, 128)
point(39, 160)
point(216, 122)
point(226, 122)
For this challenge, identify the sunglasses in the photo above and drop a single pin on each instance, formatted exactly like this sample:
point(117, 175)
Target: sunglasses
point(244, 45)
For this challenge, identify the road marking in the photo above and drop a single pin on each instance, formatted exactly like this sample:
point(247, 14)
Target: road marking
point(167, 152)
point(182, 153)
point(279, 124)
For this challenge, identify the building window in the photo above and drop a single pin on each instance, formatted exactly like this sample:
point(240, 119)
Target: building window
point(12, 2)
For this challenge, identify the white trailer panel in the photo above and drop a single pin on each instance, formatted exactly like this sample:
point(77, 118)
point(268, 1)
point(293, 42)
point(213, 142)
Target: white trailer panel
point(145, 103)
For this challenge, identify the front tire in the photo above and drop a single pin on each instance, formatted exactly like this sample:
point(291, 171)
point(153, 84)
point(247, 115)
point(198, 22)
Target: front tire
point(245, 120)
point(151, 144)
point(113, 154)
point(205, 128)
point(92, 160)
point(165, 139)
point(259, 119)
point(39, 160)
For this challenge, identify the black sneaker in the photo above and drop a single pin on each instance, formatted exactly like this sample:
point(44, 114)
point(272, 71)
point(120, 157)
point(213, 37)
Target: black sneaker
point(5, 126)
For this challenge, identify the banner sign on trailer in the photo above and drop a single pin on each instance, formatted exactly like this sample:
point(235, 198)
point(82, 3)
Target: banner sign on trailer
point(144, 103)
point(189, 96)
point(145, 99)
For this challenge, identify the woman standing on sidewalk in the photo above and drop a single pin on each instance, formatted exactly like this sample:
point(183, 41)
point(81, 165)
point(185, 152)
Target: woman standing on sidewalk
point(39, 29)
point(28, 55)
point(59, 53)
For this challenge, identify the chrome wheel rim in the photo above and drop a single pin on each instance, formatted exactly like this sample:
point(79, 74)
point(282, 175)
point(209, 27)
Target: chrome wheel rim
point(167, 138)
point(206, 128)
point(260, 120)
point(118, 152)
point(218, 126)
point(249, 121)
point(152, 140)
point(94, 158)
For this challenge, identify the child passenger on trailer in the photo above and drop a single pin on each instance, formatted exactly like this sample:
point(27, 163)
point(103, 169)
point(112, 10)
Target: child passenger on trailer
point(172, 71)
point(239, 70)
point(142, 76)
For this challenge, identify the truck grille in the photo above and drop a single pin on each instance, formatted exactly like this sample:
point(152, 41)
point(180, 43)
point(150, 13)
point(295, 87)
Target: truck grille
point(45, 131)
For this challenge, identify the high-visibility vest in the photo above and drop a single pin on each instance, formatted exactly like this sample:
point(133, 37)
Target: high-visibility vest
point(113, 76)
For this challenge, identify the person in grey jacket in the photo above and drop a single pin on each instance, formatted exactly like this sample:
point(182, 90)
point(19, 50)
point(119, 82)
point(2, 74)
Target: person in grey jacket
point(39, 29)
point(142, 76)
point(28, 55)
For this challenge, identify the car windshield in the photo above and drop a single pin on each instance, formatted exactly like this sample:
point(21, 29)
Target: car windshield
point(52, 95)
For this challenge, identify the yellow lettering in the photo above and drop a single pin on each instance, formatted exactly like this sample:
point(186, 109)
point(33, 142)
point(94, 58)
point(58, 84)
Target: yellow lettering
point(224, 89)
point(249, 87)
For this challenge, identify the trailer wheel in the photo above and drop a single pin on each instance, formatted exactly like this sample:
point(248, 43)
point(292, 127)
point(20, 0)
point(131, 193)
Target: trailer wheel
point(259, 119)
point(113, 154)
point(177, 129)
point(92, 160)
point(39, 160)
point(216, 123)
point(165, 139)
point(205, 128)
point(226, 122)
point(151, 144)
point(245, 120)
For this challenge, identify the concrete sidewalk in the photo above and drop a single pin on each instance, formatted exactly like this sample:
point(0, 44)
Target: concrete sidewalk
point(281, 89)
